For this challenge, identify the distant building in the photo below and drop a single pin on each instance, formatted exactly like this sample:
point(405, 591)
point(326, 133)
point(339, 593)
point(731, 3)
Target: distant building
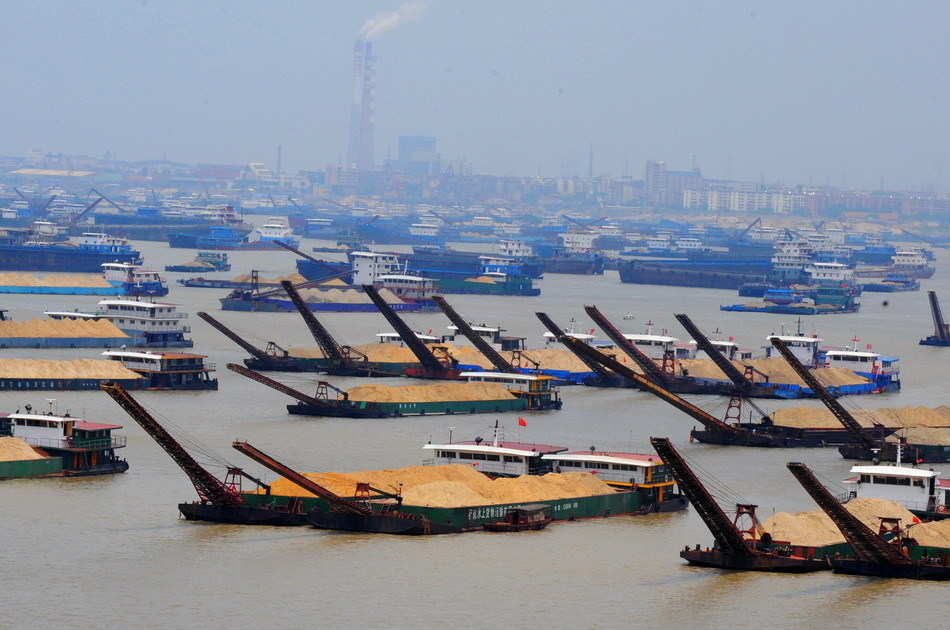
point(654, 181)
point(359, 157)
point(418, 156)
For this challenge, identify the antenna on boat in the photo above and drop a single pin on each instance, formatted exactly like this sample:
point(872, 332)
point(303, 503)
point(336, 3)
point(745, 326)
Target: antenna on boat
point(450, 433)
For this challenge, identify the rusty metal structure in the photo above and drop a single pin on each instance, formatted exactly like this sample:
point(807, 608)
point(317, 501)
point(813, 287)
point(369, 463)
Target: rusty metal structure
point(734, 548)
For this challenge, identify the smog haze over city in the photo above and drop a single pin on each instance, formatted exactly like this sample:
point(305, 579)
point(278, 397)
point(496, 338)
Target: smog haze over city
point(848, 94)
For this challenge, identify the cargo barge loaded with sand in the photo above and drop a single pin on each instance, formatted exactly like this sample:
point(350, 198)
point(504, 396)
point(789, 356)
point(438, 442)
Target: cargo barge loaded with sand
point(49, 445)
point(148, 324)
point(427, 499)
point(483, 394)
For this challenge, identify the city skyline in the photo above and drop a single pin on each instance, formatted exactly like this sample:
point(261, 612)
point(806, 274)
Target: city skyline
point(808, 94)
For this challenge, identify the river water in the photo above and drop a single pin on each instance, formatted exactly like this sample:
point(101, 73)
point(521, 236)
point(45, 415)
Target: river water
point(111, 552)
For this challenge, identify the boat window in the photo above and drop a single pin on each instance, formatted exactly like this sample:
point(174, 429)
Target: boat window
point(449, 454)
point(492, 458)
point(512, 459)
point(903, 481)
point(465, 456)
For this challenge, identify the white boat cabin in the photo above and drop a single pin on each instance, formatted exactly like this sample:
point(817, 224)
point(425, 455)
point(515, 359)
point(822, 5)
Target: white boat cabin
point(489, 334)
point(57, 432)
point(394, 337)
point(804, 348)
point(862, 362)
point(656, 346)
point(368, 266)
point(617, 469)
point(496, 458)
point(526, 383)
point(917, 489)
point(406, 288)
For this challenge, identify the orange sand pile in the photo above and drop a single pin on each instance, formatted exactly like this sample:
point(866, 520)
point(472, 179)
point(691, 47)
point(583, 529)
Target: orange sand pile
point(454, 485)
point(438, 392)
point(58, 328)
point(75, 368)
point(14, 279)
point(932, 534)
point(816, 529)
point(908, 417)
point(778, 370)
point(14, 450)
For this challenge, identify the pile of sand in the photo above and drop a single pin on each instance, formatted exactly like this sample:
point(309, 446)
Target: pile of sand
point(546, 358)
point(932, 534)
point(59, 328)
point(14, 450)
point(777, 369)
point(482, 280)
point(445, 391)
point(453, 485)
point(816, 529)
point(75, 368)
point(908, 417)
point(14, 279)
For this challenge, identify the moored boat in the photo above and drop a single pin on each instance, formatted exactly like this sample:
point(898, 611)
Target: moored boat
point(167, 370)
point(71, 447)
point(86, 256)
point(148, 324)
point(133, 280)
point(531, 517)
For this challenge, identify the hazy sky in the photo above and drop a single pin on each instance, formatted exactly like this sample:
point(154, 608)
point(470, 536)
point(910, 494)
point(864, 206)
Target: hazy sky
point(850, 94)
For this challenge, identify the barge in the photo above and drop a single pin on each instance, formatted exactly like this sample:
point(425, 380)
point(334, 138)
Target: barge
point(148, 324)
point(711, 274)
point(66, 446)
point(167, 370)
point(132, 279)
point(86, 256)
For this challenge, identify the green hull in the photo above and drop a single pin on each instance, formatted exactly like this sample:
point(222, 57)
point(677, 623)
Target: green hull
point(49, 466)
point(452, 407)
point(473, 517)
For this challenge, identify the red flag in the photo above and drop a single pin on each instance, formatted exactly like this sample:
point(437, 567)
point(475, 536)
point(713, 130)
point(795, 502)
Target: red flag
point(522, 422)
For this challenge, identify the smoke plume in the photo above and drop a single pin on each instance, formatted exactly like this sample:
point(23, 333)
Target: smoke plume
point(382, 22)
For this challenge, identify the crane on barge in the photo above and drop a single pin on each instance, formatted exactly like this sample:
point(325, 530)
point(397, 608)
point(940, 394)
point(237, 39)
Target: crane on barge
point(745, 384)
point(734, 548)
point(218, 501)
point(433, 365)
point(272, 358)
point(941, 336)
point(862, 445)
point(483, 346)
point(359, 515)
point(603, 377)
point(716, 431)
point(872, 554)
point(319, 404)
point(663, 376)
point(341, 360)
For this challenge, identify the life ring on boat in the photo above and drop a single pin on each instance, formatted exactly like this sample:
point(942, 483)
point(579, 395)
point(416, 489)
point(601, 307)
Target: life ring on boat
point(942, 508)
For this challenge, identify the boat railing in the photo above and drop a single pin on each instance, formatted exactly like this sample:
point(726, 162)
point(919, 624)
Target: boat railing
point(171, 369)
point(115, 441)
point(428, 462)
